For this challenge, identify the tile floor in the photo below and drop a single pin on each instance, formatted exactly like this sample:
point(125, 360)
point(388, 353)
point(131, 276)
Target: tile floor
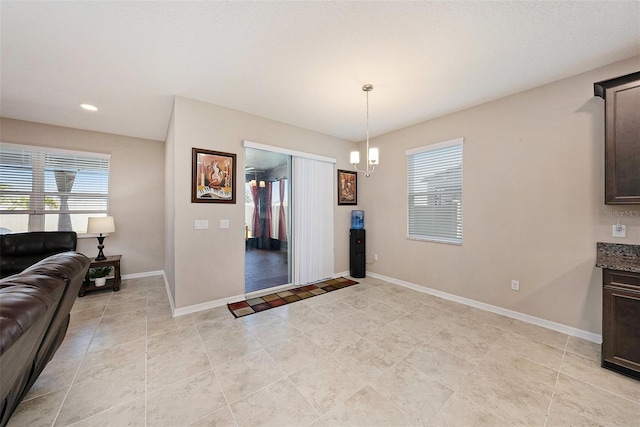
point(368, 355)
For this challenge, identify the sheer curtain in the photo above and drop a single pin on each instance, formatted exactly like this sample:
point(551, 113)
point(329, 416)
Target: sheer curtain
point(312, 220)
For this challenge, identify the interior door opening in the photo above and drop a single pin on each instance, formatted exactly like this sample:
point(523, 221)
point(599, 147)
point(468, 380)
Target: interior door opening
point(267, 219)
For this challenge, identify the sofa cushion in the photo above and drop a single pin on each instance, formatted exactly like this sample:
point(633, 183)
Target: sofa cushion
point(21, 250)
point(38, 242)
point(27, 306)
point(72, 268)
point(21, 313)
point(23, 301)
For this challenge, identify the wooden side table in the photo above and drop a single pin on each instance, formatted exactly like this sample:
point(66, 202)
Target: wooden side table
point(112, 283)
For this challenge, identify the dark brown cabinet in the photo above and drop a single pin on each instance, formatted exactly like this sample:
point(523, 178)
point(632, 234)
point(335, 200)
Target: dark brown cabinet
point(621, 322)
point(622, 138)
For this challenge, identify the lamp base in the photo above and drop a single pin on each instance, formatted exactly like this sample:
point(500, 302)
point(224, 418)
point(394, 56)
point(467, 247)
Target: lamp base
point(100, 256)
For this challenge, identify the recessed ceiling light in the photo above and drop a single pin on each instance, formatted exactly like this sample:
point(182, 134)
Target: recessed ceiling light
point(89, 107)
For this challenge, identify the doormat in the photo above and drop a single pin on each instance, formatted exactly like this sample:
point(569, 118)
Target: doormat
point(265, 302)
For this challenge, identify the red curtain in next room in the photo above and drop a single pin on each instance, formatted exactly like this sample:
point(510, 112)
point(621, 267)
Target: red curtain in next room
point(257, 232)
point(282, 222)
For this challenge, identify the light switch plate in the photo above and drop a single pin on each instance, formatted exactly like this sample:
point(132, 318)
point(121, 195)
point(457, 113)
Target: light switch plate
point(619, 230)
point(224, 223)
point(201, 224)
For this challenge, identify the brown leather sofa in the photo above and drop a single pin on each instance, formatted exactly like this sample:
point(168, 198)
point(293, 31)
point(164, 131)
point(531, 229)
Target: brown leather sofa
point(21, 250)
point(34, 316)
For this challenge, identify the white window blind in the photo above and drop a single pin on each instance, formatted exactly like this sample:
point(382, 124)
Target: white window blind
point(45, 189)
point(434, 187)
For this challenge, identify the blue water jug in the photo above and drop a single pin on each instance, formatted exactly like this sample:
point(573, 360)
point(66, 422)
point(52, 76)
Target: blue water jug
point(357, 219)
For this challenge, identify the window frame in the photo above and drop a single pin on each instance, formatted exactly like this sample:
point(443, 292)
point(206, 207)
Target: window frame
point(40, 176)
point(425, 235)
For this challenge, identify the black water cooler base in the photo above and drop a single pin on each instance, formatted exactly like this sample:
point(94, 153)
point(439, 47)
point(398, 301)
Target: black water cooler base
point(357, 254)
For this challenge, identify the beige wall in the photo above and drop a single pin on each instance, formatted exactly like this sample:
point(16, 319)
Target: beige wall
point(533, 203)
point(136, 198)
point(170, 211)
point(209, 264)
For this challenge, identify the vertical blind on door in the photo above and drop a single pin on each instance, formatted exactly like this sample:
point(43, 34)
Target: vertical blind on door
point(434, 192)
point(313, 220)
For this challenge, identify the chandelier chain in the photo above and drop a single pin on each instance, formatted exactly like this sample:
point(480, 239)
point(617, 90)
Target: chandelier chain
point(370, 164)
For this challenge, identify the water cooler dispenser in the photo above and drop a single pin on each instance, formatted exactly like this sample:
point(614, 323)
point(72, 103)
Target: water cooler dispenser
point(357, 254)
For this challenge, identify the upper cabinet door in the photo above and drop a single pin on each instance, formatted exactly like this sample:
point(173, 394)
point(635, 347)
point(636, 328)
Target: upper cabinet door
point(622, 138)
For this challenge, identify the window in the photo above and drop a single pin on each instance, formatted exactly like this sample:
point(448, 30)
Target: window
point(434, 187)
point(44, 189)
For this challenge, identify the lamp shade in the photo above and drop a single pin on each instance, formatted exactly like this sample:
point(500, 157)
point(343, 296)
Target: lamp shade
point(354, 157)
point(101, 225)
point(373, 156)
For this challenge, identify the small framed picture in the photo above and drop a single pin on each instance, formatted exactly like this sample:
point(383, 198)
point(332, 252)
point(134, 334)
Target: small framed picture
point(213, 177)
point(347, 187)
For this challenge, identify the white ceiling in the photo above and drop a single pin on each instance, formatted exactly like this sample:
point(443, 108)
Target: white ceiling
point(302, 63)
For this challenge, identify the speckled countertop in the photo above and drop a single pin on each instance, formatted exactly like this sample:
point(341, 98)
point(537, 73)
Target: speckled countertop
point(615, 256)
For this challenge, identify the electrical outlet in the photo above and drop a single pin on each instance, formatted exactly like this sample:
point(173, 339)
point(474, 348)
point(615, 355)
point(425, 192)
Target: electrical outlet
point(375, 257)
point(224, 223)
point(515, 285)
point(619, 230)
point(201, 224)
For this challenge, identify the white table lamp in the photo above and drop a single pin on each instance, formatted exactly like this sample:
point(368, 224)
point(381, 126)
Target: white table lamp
point(101, 225)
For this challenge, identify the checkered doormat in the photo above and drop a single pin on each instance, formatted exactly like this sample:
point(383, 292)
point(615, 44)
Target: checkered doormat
point(265, 302)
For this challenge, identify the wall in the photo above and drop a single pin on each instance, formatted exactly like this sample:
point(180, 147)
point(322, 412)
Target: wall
point(136, 199)
point(169, 209)
point(209, 264)
point(533, 203)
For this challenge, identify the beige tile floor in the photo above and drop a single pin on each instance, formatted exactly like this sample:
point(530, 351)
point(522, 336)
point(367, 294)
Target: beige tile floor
point(372, 354)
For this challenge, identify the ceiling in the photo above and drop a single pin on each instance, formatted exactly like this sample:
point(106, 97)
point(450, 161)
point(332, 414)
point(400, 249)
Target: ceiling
point(301, 63)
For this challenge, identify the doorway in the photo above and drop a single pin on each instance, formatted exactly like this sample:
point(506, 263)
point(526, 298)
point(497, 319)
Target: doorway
point(267, 219)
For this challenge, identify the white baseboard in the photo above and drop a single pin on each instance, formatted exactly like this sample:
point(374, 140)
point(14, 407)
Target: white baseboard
point(569, 330)
point(206, 305)
point(168, 289)
point(143, 274)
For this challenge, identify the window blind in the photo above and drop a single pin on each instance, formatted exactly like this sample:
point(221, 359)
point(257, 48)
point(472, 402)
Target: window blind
point(61, 187)
point(434, 189)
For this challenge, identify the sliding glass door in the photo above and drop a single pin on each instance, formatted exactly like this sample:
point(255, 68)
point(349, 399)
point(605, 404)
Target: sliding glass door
point(288, 217)
point(267, 219)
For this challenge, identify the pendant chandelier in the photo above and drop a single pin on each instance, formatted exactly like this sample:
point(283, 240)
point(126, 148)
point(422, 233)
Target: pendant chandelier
point(372, 153)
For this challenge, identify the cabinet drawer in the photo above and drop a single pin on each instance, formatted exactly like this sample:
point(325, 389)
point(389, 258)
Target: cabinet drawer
point(621, 280)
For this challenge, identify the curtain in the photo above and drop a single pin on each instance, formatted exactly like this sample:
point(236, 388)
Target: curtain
point(256, 229)
point(64, 183)
point(268, 219)
point(282, 221)
point(313, 217)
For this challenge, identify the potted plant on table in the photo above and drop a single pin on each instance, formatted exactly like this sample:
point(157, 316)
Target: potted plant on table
point(99, 275)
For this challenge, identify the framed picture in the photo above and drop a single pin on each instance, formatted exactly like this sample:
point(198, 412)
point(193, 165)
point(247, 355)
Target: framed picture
point(347, 187)
point(213, 177)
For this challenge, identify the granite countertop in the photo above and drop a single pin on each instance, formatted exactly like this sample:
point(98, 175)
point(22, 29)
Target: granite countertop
point(615, 256)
